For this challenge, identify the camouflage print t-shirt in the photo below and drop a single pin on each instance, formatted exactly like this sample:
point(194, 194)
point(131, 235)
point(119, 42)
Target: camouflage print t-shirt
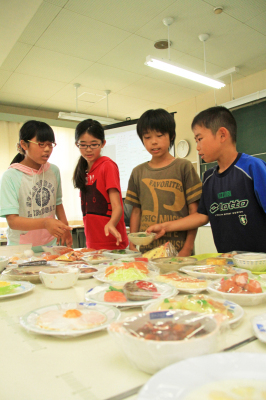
point(164, 194)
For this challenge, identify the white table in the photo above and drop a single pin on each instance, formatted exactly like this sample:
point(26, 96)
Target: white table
point(90, 367)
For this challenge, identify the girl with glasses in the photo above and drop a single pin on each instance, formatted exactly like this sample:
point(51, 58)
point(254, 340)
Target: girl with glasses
point(97, 177)
point(31, 194)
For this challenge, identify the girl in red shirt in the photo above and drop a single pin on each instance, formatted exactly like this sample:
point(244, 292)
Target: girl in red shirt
point(97, 177)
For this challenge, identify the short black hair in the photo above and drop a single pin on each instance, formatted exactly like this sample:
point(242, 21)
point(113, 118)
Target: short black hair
point(158, 120)
point(216, 117)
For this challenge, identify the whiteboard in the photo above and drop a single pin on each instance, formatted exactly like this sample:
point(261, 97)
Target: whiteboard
point(126, 149)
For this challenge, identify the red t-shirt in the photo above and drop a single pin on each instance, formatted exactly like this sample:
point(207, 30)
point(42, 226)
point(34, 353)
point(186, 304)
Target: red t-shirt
point(96, 205)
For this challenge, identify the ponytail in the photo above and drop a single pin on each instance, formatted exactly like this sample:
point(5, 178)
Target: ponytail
point(18, 158)
point(79, 176)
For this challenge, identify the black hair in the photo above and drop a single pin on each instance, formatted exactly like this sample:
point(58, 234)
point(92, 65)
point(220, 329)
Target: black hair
point(158, 120)
point(214, 118)
point(95, 129)
point(28, 131)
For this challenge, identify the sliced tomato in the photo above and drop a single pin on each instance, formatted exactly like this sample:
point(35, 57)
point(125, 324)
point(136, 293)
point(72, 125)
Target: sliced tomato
point(253, 286)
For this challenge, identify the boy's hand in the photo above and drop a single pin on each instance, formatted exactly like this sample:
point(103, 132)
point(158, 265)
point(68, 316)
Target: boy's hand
point(110, 228)
point(158, 229)
point(132, 247)
point(56, 228)
point(185, 252)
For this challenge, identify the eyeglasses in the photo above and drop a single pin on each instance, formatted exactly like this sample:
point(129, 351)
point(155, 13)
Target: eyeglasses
point(91, 146)
point(43, 145)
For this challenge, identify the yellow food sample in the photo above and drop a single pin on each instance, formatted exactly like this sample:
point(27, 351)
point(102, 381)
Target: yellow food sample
point(2, 284)
point(216, 261)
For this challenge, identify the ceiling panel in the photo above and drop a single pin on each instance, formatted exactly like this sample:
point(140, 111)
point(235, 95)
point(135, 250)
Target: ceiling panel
point(103, 77)
point(80, 36)
point(39, 23)
point(33, 86)
point(127, 15)
point(182, 95)
point(14, 99)
point(14, 17)
point(149, 89)
point(60, 3)
point(16, 55)
point(258, 23)
point(4, 75)
point(52, 65)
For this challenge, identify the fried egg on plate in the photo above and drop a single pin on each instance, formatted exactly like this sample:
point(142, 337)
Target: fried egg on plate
point(64, 320)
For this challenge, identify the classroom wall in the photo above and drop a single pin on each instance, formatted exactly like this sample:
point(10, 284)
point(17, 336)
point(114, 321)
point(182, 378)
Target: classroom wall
point(186, 110)
point(66, 155)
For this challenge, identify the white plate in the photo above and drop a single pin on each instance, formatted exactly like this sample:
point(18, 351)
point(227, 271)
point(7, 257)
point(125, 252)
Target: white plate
point(97, 294)
point(247, 299)
point(28, 321)
point(129, 253)
point(259, 326)
point(100, 275)
point(190, 270)
point(233, 307)
point(178, 380)
point(23, 288)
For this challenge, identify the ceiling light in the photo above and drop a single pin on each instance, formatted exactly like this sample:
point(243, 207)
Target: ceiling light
point(76, 116)
point(176, 69)
point(72, 116)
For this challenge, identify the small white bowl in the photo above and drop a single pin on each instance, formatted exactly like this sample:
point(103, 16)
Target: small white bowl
point(251, 261)
point(65, 278)
point(151, 355)
point(138, 240)
point(3, 262)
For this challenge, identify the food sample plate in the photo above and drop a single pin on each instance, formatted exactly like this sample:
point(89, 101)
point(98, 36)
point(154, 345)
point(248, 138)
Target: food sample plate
point(182, 380)
point(234, 309)
point(24, 287)
point(69, 319)
point(85, 270)
point(95, 259)
point(121, 253)
point(100, 275)
point(30, 274)
point(243, 299)
point(209, 271)
point(97, 294)
point(184, 283)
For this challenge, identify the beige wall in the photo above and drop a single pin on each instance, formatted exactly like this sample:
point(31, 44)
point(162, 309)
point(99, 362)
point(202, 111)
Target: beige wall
point(186, 111)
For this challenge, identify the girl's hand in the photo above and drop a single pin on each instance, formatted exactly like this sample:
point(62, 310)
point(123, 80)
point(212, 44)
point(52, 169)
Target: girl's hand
point(156, 229)
point(67, 239)
point(110, 228)
point(56, 228)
